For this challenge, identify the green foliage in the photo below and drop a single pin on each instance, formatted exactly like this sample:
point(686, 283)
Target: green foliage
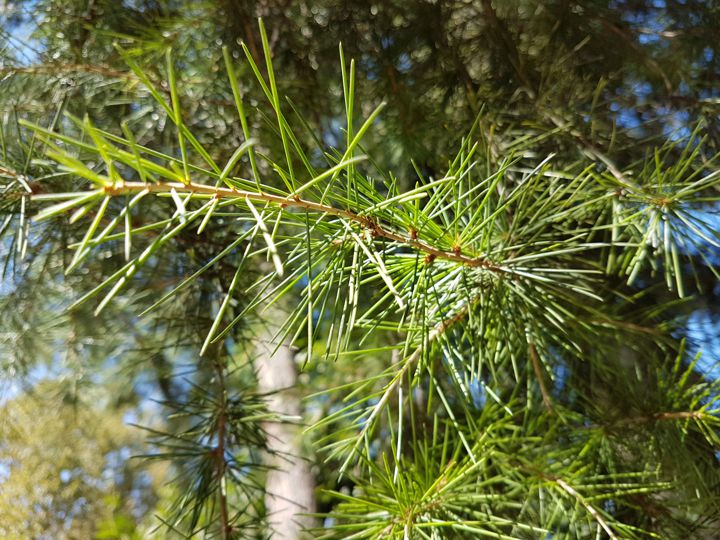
point(494, 350)
point(66, 472)
point(220, 451)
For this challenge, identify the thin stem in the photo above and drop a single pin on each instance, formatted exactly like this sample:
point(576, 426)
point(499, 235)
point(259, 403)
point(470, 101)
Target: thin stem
point(668, 416)
point(410, 361)
point(590, 508)
point(50, 69)
point(567, 488)
point(376, 228)
point(537, 368)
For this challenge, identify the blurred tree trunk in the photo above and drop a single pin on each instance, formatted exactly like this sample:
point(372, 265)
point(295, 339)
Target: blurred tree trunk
point(290, 484)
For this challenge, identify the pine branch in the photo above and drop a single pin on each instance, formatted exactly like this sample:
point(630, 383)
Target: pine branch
point(409, 362)
point(374, 227)
point(63, 69)
point(225, 527)
point(537, 368)
point(589, 507)
point(660, 417)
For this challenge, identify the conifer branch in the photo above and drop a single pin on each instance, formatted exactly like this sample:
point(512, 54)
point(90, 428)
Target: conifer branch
point(225, 527)
point(589, 507)
point(409, 362)
point(537, 368)
point(663, 416)
point(64, 69)
point(374, 227)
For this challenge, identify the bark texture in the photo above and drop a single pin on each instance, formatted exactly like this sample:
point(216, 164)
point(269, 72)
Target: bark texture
point(290, 484)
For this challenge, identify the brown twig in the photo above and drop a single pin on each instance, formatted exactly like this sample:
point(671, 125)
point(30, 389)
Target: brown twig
point(567, 488)
point(537, 368)
point(8, 172)
point(376, 228)
point(672, 415)
point(225, 527)
point(50, 69)
point(627, 325)
point(435, 333)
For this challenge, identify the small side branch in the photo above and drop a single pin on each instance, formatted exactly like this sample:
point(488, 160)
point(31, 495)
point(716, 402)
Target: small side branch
point(659, 417)
point(537, 368)
point(282, 201)
point(410, 362)
point(50, 69)
point(225, 526)
point(567, 488)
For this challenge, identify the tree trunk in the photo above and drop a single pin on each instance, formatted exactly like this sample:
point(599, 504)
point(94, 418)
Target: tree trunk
point(290, 484)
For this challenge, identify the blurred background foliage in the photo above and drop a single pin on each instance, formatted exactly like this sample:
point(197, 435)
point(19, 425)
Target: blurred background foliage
point(67, 469)
point(605, 80)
